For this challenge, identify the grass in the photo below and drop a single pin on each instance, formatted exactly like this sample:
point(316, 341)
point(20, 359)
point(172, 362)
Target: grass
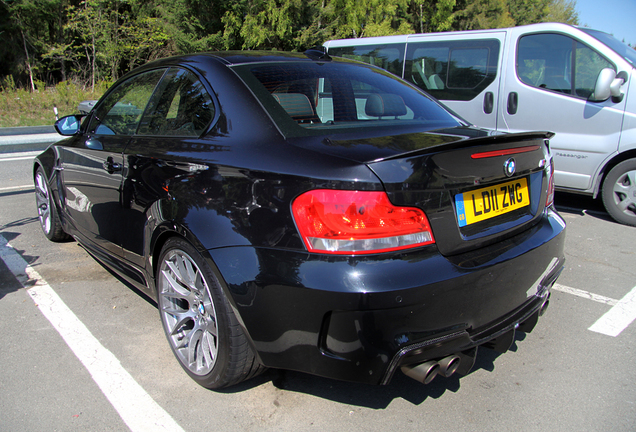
point(19, 107)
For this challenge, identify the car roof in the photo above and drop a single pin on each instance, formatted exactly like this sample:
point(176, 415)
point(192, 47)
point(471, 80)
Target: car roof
point(230, 58)
point(243, 57)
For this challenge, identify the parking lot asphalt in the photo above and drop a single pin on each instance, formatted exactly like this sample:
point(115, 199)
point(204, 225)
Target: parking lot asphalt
point(563, 376)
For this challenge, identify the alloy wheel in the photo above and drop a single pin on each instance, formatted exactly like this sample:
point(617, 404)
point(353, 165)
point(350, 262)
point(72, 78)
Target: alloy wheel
point(188, 312)
point(43, 202)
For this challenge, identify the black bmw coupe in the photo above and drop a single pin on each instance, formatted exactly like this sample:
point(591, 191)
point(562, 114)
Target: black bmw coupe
point(303, 212)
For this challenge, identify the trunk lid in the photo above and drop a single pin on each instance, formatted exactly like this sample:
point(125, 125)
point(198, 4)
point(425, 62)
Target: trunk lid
point(474, 191)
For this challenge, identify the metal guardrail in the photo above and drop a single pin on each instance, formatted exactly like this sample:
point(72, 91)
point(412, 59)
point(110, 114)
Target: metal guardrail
point(24, 139)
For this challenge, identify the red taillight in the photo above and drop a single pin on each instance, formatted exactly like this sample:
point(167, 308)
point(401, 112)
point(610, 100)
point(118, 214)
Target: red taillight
point(358, 222)
point(550, 197)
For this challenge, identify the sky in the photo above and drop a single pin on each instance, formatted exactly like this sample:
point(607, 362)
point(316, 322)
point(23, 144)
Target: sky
point(617, 17)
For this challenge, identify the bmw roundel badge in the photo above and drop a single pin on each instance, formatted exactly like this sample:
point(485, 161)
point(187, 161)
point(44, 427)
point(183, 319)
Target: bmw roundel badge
point(509, 167)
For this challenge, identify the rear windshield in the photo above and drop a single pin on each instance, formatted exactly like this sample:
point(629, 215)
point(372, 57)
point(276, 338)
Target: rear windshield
point(318, 98)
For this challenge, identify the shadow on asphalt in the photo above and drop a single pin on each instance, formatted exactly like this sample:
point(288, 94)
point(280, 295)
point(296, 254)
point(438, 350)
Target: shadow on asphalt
point(581, 205)
point(8, 282)
point(369, 396)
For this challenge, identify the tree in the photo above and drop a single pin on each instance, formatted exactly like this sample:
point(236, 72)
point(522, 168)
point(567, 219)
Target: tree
point(52, 40)
point(563, 11)
point(359, 18)
point(113, 37)
point(482, 14)
point(31, 26)
point(433, 16)
point(528, 11)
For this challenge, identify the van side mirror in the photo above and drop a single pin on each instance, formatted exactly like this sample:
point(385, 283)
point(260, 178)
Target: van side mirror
point(68, 125)
point(608, 84)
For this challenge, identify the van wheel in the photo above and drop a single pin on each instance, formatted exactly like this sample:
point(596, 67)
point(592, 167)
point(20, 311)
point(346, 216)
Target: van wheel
point(619, 192)
point(198, 321)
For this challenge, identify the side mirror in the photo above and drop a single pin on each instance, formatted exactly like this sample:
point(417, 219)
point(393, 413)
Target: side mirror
point(68, 125)
point(608, 84)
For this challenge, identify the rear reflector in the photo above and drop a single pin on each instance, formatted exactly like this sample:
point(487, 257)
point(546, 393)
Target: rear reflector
point(550, 195)
point(358, 222)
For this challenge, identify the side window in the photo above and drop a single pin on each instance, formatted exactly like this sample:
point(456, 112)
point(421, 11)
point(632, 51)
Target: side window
point(467, 67)
point(559, 63)
point(588, 66)
point(120, 112)
point(182, 107)
point(387, 57)
point(453, 70)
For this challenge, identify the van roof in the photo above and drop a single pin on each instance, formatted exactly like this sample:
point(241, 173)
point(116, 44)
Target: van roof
point(404, 38)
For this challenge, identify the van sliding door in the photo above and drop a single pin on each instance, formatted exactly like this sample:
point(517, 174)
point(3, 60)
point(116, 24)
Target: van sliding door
point(462, 71)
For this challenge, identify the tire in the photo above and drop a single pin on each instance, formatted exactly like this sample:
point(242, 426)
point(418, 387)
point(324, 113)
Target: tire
point(198, 321)
point(619, 192)
point(47, 212)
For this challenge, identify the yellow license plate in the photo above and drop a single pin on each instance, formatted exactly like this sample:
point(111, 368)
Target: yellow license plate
point(486, 203)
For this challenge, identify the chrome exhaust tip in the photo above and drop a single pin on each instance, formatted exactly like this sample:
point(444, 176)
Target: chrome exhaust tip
point(448, 365)
point(423, 373)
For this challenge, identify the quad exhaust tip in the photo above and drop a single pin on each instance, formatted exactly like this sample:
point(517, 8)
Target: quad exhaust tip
point(426, 372)
point(449, 365)
point(461, 362)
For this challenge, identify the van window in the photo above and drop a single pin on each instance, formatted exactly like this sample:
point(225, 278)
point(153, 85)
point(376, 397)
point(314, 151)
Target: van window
point(453, 70)
point(559, 63)
point(387, 57)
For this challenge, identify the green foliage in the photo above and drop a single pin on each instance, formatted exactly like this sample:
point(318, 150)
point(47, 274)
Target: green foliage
point(480, 14)
point(20, 107)
point(360, 18)
point(433, 16)
point(7, 83)
point(44, 42)
point(563, 11)
point(528, 11)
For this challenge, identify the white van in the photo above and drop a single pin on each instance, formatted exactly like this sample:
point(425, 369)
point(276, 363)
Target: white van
point(556, 77)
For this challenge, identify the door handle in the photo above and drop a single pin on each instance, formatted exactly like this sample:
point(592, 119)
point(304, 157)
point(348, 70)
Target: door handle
point(513, 102)
point(111, 166)
point(489, 102)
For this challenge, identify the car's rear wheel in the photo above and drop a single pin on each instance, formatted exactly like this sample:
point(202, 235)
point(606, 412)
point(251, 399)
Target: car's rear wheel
point(201, 328)
point(619, 192)
point(47, 212)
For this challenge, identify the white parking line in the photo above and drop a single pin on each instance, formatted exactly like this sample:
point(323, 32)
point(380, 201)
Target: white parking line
point(12, 157)
point(617, 318)
point(13, 188)
point(136, 408)
point(585, 294)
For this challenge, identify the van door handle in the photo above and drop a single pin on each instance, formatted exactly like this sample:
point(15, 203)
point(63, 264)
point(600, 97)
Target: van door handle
point(513, 100)
point(489, 102)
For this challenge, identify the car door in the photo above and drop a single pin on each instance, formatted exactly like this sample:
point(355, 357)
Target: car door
point(548, 87)
point(462, 71)
point(178, 114)
point(92, 166)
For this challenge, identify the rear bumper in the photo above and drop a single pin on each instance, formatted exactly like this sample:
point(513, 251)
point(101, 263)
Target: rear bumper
point(359, 319)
